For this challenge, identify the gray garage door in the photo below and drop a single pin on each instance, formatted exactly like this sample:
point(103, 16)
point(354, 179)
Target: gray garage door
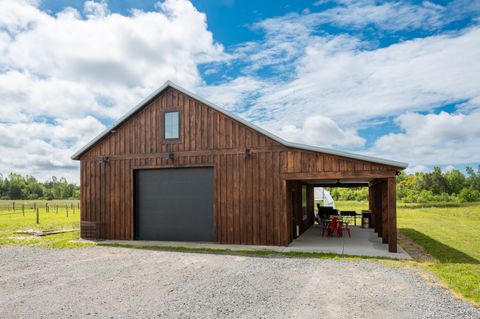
point(174, 204)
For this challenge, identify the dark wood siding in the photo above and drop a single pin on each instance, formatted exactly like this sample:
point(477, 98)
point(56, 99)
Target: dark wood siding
point(250, 193)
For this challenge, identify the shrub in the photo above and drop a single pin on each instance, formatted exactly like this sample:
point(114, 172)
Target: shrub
point(469, 195)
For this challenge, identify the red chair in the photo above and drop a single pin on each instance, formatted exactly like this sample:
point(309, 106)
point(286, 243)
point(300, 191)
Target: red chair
point(335, 227)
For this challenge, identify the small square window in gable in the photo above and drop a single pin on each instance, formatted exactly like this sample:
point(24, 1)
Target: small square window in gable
point(171, 125)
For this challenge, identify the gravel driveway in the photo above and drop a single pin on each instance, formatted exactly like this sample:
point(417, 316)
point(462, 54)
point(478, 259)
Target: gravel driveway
point(124, 283)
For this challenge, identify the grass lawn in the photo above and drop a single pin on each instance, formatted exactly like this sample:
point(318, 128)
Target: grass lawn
point(11, 221)
point(450, 235)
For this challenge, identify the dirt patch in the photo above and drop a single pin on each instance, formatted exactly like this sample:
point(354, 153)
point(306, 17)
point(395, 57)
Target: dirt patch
point(416, 251)
point(45, 232)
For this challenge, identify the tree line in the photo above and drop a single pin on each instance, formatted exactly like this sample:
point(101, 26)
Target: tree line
point(423, 187)
point(16, 186)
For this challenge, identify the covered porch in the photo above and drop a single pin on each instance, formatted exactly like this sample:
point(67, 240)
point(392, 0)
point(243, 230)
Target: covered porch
point(380, 239)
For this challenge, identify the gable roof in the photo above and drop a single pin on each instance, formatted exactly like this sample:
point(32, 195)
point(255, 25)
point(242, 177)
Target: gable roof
point(278, 139)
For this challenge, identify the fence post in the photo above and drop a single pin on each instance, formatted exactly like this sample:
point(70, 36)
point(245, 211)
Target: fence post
point(56, 209)
point(38, 217)
point(67, 210)
point(23, 210)
point(34, 206)
point(46, 207)
point(13, 206)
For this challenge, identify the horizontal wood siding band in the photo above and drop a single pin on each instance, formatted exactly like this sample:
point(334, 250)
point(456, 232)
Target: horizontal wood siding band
point(338, 175)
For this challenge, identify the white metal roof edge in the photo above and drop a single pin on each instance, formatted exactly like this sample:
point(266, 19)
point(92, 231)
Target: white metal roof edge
point(280, 140)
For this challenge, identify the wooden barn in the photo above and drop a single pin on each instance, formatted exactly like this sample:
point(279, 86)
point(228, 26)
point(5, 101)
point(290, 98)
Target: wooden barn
point(179, 168)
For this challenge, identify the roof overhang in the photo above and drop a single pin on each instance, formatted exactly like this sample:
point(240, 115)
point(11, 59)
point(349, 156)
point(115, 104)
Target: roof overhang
point(144, 102)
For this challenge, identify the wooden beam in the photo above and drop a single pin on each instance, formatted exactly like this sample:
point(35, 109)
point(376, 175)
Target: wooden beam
point(392, 215)
point(350, 185)
point(339, 175)
point(384, 213)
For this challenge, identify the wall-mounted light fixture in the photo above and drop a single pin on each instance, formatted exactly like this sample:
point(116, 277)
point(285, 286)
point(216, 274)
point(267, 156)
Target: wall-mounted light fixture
point(170, 156)
point(104, 160)
point(247, 153)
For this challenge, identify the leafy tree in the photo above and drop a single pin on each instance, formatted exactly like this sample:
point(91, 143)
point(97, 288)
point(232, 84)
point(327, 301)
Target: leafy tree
point(455, 181)
point(434, 186)
point(15, 186)
point(435, 181)
point(473, 179)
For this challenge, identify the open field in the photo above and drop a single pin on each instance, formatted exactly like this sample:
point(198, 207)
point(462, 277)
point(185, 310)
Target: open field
point(53, 217)
point(450, 235)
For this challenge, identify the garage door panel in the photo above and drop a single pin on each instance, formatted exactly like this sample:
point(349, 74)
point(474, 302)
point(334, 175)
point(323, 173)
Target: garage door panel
point(174, 204)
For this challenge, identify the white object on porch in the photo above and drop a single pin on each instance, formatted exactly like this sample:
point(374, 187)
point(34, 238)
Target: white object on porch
point(321, 194)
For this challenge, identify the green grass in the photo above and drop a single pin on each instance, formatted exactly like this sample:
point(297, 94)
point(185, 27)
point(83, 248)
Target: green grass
point(451, 235)
point(11, 221)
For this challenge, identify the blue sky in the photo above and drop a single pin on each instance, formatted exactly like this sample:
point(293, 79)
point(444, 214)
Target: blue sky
point(394, 79)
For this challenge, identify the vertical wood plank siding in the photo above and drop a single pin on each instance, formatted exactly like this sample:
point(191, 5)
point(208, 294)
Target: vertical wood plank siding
point(250, 193)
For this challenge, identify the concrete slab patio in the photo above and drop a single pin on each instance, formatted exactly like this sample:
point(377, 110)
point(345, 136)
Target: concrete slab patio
point(364, 242)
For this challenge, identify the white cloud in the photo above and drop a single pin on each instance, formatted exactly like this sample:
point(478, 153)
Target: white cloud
point(233, 95)
point(434, 139)
point(321, 131)
point(393, 16)
point(96, 10)
point(416, 169)
point(399, 15)
point(352, 85)
point(448, 168)
point(43, 149)
point(69, 67)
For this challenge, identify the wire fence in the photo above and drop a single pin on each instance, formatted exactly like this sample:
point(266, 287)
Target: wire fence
point(15, 207)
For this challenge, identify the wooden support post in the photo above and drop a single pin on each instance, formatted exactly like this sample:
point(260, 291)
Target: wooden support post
point(378, 209)
point(371, 206)
point(23, 209)
point(392, 215)
point(38, 217)
point(14, 206)
point(384, 212)
point(67, 210)
point(34, 206)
